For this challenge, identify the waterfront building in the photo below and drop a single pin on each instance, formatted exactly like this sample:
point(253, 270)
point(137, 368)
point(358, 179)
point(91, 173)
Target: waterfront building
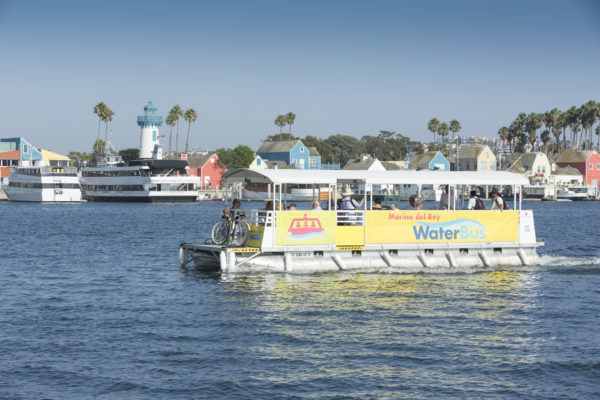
point(534, 166)
point(430, 160)
point(16, 152)
point(293, 152)
point(209, 169)
point(365, 163)
point(476, 158)
point(587, 162)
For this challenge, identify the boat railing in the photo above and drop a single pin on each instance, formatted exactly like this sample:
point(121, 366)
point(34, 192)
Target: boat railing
point(350, 217)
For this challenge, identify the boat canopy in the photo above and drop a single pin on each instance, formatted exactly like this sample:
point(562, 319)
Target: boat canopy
point(395, 177)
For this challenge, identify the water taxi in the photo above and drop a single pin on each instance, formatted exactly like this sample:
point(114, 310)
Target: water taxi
point(43, 184)
point(307, 241)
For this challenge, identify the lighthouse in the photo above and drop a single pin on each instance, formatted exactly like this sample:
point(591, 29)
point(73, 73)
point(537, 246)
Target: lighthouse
point(149, 122)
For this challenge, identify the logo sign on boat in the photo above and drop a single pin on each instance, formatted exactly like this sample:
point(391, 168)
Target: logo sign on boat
point(442, 226)
point(305, 227)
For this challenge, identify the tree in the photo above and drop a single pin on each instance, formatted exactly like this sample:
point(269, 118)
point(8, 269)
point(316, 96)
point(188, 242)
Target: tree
point(99, 111)
point(573, 121)
point(545, 136)
point(190, 116)
point(455, 126)
point(443, 129)
point(345, 147)
point(433, 126)
point(79, 159)
point(504, 134)
point(107, 116)
point(551, 120)
point(177, 113)
point(240, 157)
point(281, 136)
point(588, 118)
point(289, 119)
point(533, 122)
point(130, 154)
point(280, 122)
point(171, 121)
point(598, 138)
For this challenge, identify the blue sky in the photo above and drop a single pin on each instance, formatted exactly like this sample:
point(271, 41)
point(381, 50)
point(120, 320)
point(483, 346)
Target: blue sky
point(343, 67)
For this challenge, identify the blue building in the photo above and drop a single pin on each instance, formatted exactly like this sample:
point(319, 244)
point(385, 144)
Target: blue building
point(27, 152)
point(293, 152)
point(431, 160)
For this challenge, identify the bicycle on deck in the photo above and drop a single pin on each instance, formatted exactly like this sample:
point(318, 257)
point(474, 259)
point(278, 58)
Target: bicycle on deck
point(231, 229)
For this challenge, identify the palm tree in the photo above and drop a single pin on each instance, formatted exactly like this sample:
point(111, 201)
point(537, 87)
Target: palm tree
point(171, 122)
point(504, 134)
point(545, 136)
point(177, 113)
point(433, 126)
point(532, 124)
point(289, 119)
point(99, 110)
point(573, 119)
point(588, 118)
point(190, 116)
point(280, 121)
point(551, 120)
point(443, 129)
point(598, 138)
point(107, 115)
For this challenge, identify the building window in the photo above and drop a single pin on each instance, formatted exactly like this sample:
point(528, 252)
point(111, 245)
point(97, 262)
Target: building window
point(591, 166)
point(154, 136)
point(258, 161)
point(313, 164)
point(25, 149)
point(483, 165)
point(301, 149)
point(467, 167)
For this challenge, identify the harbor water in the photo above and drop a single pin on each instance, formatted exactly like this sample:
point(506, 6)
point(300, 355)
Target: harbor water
point(93, 305)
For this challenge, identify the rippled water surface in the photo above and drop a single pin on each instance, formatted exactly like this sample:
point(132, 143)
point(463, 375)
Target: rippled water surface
point(93, 305)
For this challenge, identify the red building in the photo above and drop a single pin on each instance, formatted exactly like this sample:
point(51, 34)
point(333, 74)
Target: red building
point(585, 161)
point(209, 169)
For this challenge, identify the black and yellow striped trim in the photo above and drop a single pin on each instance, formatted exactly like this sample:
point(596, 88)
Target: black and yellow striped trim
point(349, 248)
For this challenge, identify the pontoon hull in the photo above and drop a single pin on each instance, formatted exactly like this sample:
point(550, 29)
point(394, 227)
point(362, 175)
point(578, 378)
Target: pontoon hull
point(399, 259)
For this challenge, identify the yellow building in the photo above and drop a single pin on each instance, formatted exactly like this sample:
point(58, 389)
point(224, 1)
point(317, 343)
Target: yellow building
point(476, 158)
point(54, 159)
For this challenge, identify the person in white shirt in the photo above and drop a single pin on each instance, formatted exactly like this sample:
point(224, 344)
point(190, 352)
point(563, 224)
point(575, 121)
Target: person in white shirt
point(497, 202)
point(316, 206)
point(444, 199)
point(472, 200)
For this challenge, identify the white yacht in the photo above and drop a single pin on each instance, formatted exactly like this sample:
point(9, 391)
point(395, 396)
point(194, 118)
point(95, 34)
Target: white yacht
point(149, 179)
point(43, 183)
point(145, 180)
point(572, 193)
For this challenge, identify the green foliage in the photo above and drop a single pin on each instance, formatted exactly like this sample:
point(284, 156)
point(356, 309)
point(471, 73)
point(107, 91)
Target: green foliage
point(280, 137)
point(130, 154)
point(79, 159)
point(240, 157)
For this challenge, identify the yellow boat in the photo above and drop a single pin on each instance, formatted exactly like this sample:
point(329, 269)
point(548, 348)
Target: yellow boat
point(306, 241)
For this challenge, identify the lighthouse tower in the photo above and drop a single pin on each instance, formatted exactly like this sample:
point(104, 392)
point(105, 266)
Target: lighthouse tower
point(149, 122)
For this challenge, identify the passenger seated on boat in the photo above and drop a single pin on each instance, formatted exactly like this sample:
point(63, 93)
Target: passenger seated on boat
point(497, 202)
point(236, 204)
point(377, 205)
point(269, 205)
point(415, 201)
point(316, 206)
point(292, 207)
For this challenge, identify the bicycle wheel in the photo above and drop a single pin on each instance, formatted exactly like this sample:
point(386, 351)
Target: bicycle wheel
point(239, 234)
point(220, 232)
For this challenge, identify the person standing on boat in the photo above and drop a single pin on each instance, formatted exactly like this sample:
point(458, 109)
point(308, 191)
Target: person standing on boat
point(472, 205)
point(348, 203)
point(236, 204)
point(497, 202)
point(444, 198)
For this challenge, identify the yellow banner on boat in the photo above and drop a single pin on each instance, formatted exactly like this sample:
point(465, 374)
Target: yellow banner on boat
point(441, 226)
point(305, 227)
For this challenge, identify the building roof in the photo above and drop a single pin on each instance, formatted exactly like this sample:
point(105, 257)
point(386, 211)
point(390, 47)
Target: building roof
point(283, 146)
point(199, 162)
point(50, 155)
point(276, 164)
point(471, 150)
point(520, 163)
point(575, 156)
point(357, 164)
point(421, 161)
point(567, 171)
point(390, 165)
point(314, 152)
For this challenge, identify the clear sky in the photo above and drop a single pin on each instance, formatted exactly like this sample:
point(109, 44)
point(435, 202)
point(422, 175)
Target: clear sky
point(343, 67)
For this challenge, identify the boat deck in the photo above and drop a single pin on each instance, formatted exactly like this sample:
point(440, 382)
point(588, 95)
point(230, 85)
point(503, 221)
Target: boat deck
point(218, 248)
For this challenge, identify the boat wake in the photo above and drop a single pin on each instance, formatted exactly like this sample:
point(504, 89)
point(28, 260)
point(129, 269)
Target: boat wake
point(566, 261)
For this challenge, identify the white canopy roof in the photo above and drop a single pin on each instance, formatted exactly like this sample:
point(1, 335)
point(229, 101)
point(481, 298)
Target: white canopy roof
point(332, 177)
